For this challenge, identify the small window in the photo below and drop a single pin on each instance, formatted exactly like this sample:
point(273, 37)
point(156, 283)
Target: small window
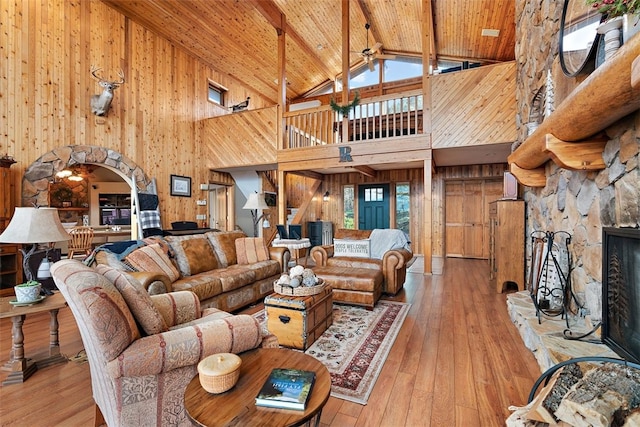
point(403, 201)
point(216, 94)
point(348, 198)
point(374, 194)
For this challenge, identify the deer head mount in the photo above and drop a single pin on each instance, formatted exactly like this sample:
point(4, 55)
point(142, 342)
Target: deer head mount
point(100, 103)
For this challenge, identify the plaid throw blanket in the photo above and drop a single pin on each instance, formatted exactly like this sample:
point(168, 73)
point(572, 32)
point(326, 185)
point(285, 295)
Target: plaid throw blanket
point(150, 219)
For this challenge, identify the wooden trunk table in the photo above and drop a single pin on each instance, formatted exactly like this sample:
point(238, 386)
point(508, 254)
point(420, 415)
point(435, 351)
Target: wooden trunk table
point(237, 406)
point(20, 367)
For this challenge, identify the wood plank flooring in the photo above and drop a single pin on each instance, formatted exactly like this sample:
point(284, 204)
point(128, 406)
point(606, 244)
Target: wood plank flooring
point(458, 361)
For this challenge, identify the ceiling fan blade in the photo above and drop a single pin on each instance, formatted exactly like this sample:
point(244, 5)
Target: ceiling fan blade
point(376, 47)
point(371, 66)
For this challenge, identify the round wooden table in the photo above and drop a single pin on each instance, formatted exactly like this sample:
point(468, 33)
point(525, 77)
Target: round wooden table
point(237, 406)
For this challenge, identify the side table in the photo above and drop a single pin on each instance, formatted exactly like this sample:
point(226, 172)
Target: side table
point(237, 406)
point(294, 245)
point(20, 367)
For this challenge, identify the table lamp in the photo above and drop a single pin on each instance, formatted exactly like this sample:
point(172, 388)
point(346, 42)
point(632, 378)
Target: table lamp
point(255, 202)
point(33, 226)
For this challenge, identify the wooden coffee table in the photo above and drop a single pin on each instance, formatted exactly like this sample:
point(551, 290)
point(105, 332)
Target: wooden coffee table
point(237, 406)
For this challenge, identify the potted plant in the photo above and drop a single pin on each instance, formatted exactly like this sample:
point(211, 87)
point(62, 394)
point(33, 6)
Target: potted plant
point(27, 292)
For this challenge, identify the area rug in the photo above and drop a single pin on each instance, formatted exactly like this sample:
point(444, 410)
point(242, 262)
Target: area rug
point(356, 346)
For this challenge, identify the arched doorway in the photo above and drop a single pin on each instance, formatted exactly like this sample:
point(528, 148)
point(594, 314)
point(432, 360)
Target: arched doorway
point(36, 179)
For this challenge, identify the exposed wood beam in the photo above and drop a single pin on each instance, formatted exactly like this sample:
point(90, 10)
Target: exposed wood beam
point(428, 37)
point(470, 59)
point(529, 177)
point(366, 170)
point(297, 219)
point(308, 174)
point(345, 65)
point(272, 12)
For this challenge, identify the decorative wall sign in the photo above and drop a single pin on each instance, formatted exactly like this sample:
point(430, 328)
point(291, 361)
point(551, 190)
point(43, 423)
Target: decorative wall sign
point(180, 186)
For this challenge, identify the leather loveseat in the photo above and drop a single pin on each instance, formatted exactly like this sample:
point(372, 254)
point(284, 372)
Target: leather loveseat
point(390, 253)
point(225, 269)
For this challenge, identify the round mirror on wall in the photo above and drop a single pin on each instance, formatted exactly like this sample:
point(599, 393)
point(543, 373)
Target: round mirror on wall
point(578, 37)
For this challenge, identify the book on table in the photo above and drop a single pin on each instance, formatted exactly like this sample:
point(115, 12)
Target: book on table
point(286, 389)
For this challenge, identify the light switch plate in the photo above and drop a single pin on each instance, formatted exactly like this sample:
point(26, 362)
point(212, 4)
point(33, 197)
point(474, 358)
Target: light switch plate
point(201, 202)
point(201, 217)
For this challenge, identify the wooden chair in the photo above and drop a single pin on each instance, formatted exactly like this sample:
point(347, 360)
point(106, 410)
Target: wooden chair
point(81, 241)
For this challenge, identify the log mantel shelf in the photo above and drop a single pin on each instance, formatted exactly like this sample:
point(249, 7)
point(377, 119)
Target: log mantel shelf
point(571, 135)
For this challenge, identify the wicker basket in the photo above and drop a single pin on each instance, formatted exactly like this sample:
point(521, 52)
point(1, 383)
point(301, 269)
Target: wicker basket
point(219, 372)
point(300, 291)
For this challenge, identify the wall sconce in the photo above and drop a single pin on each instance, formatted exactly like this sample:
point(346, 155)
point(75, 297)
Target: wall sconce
point(325, 198)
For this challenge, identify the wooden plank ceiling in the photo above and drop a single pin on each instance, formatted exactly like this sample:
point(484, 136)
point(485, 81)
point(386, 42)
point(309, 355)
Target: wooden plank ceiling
point(239, 37)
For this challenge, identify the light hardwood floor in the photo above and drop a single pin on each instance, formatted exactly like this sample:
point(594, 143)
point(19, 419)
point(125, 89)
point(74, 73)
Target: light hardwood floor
point(458, 361)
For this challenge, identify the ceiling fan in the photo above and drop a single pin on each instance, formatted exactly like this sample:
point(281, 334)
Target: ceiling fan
point(369, 54)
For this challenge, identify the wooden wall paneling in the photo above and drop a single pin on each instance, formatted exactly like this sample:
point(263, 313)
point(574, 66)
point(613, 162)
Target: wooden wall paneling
point(483, 99)
point(46, 50)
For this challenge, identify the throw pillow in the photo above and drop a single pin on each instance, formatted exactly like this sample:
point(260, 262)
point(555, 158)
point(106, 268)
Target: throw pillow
point(250, 250)
point(137, 299)
point(193, 254)
point(224, 245)
point(153, 258)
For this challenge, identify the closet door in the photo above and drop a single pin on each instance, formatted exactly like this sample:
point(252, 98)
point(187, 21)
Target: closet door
point(466, 216)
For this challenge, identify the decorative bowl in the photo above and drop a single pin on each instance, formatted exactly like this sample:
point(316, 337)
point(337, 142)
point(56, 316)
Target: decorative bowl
point(219, 372)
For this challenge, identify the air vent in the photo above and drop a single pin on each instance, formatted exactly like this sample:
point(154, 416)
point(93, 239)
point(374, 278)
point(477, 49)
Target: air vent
point(490, 32)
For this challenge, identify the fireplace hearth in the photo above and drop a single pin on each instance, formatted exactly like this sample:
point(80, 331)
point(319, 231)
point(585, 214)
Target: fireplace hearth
point(621, 291)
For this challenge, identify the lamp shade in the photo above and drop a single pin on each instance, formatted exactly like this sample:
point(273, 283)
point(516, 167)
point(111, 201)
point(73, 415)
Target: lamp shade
point(34, 225)
point(256, 201)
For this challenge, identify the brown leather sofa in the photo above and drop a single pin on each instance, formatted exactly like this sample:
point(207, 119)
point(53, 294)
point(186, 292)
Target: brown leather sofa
point(209, 265)
point(393, 263)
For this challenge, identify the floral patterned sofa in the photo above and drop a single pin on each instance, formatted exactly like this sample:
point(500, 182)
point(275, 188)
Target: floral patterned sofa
point(225, 269)
point(143, 349)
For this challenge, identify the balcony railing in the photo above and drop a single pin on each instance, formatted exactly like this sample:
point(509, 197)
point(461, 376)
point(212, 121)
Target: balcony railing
point(373, 119)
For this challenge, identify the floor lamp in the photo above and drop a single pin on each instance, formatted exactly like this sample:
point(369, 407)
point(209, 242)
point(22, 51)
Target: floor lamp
point(33, 226)
point(255, 202)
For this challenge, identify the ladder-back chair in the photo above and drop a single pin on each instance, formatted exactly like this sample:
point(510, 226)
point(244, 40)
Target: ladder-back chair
point(81, 241)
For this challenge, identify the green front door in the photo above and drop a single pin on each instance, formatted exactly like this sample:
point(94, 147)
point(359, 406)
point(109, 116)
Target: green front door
point(373, 206)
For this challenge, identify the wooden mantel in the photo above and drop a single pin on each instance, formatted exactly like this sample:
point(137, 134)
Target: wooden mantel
point(571, 135)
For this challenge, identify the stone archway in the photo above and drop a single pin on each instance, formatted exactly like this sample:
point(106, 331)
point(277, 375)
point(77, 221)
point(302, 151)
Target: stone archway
point(36, 179)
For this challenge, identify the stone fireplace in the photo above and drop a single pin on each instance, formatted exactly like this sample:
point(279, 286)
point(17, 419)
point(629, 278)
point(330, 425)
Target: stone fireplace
point(578, 202)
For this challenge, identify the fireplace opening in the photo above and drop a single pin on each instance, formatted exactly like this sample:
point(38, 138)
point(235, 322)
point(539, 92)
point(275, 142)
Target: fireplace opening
point(621, 291)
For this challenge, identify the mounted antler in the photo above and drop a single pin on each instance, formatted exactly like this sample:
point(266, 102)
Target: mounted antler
point(100, 103)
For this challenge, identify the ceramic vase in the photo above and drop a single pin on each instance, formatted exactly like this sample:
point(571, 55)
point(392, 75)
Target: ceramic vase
point(630, 26)
point(611, 31)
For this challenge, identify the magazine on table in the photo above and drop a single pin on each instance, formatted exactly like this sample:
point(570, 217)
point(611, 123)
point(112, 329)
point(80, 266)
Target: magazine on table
point(287, 389)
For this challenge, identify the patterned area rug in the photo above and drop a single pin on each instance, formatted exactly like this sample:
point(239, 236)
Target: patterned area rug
point(356, 346)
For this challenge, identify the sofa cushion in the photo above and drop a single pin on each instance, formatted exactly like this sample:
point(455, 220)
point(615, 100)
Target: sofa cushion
point(235, 277)
point(204, 285)
point(261, 269)
point(96, 295)
point(153, 258)
point(224, 244)
point(137, 298)
point(251, 249)
point(193, 253)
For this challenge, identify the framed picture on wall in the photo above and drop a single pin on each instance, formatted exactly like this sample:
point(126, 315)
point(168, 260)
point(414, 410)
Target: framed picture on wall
point(180, 186)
